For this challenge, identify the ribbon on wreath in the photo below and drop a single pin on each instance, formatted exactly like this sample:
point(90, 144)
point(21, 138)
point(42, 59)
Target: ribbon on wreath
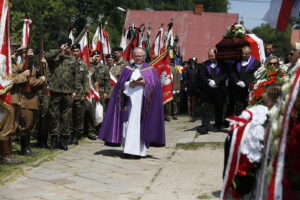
point(237, 129)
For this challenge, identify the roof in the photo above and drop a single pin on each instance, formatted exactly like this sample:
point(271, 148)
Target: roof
point(197, 33)
point(295, 36)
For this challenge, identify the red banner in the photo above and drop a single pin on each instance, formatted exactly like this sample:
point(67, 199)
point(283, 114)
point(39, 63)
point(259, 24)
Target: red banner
point(162, 66)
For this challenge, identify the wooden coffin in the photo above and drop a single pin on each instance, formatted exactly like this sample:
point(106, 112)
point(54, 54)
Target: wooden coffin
point(230, 48)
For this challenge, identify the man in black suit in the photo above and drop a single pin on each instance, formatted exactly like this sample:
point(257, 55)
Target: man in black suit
point(212, 77)
point(190, 86)
point(240, 76)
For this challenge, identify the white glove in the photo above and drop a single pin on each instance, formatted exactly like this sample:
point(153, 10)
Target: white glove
point(174, 91)
point(212, 83)
point(241, 84)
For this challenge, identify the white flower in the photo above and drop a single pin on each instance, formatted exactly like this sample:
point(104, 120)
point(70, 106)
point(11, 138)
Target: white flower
point(273, 111)
point(285, 88)
point(259, 132)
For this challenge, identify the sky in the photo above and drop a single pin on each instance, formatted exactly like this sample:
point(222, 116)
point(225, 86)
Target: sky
point(251, 11)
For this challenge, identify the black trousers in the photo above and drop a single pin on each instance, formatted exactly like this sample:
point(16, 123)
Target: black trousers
point(215, 97)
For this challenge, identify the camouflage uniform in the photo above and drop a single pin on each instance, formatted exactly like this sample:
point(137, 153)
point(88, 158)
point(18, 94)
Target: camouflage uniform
point(61, 77)
point(122, 62)
point(116, 71)
point(81, 90)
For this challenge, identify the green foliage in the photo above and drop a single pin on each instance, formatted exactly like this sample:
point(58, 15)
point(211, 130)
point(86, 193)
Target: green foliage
point(280, 40)
point(51, 18)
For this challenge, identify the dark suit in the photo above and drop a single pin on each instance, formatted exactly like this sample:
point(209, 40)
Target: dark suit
point(210, 95)
point(238, 96)
point(190, 80)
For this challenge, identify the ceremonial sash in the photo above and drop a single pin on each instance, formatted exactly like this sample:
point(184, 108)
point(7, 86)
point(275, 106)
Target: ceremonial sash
point(249, 66)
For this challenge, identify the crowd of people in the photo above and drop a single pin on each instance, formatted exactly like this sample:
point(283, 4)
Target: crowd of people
point(50, 97)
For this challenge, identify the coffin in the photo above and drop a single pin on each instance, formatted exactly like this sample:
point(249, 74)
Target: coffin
point(230, 48)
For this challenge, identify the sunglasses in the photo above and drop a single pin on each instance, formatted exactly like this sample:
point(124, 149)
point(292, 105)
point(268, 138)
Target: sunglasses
point(272, 63)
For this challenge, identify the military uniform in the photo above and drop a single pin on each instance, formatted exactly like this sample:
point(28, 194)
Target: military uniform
point(29, 110)
point(122, 62)
point(12, 118)
point(61, 77)
point(16, 91)
point(116, 71)
point(81, 90)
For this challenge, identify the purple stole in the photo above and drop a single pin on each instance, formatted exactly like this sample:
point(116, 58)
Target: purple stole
point(249, 66)
point(208, 67)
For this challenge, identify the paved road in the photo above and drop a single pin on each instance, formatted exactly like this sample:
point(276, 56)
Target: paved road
point(93, 171)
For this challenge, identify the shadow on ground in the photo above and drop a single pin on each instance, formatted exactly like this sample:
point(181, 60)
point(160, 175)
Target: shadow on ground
point(211, 129)
point(118, 153)
point(216, 193)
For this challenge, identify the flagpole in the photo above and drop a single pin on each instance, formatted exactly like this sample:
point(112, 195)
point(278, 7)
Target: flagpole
point(159, 57)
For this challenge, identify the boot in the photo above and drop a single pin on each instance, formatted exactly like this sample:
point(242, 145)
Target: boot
point(53, 142)
point(92, 136)
point(64, 142)
point(25, 150)
point(32, 153)
point(5, 154)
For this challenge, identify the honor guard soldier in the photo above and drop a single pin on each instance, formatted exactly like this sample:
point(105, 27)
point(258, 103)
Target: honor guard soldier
point(62, 72)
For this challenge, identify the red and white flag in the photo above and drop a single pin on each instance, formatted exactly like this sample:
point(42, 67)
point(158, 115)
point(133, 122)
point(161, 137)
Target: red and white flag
point(5, 52)
point(113, 81)
point(85, 56)
point(280, 12)
point(25, 33)
point(128, 52)
point(257, 47)
point(158, 44)
point(101, 42)
point(162, 66)
point(123, 42)
point(71, 36)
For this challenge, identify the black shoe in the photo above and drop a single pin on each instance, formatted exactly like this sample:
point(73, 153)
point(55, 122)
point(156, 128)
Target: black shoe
point(167, 119)
point(202, 130)
point(217, 128)
point(193, 119)
point(174, 117)
point(64, 143)
point(92, 136)
point(226, 124)
point(53, 143)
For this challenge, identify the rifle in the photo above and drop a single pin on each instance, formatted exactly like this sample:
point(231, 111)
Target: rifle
point(43, 67)
point(28, 60)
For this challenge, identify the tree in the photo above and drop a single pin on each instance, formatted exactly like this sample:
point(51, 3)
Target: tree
point(280, 40)
point(51, 18)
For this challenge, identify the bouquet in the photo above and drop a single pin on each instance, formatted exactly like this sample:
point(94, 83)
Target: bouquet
point(236, 30)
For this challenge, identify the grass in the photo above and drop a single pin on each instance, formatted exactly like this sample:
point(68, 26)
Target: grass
point(204, 196)
point(11, 172)
point(198, 145)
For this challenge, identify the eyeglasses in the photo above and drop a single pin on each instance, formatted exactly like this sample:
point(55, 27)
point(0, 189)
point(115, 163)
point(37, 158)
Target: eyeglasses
point(291, 54)
point(272, 63)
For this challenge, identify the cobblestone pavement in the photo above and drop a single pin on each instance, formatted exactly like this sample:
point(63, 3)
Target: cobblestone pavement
point(94, 171)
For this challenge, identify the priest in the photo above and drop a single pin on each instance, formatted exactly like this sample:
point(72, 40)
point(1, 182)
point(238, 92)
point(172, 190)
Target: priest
point(135, 116)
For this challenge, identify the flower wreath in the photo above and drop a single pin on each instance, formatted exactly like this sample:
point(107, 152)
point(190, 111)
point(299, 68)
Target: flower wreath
point(245, 150)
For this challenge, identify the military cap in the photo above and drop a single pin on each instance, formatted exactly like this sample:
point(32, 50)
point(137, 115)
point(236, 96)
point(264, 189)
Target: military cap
point(65, 40)
point(117, 49)
point(110, 56)
point(75, 46)
point(22, 48)
point(96, 52)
